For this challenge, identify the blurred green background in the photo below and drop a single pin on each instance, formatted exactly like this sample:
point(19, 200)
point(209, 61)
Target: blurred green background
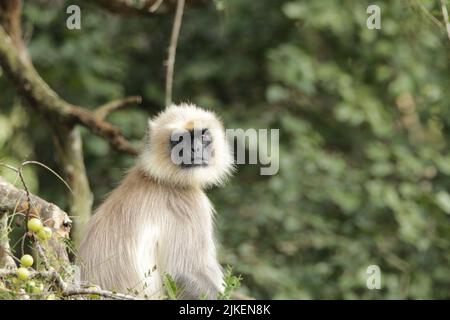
point(364, 119)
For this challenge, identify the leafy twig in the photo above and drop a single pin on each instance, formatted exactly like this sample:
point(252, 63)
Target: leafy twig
point(49, 169)
point(66, 290)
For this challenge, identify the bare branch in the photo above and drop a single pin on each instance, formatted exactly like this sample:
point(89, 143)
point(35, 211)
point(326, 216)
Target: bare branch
point(41, 97)
point(10, 12)
point(445, 15)
point(101, 128)
point(141, 8)
point(156, 6)
point(127, 7)
point(172, 50)
point(103, 111)
point(103, 293)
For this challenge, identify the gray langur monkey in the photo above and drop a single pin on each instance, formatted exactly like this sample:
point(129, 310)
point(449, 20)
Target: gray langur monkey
point(159, 220)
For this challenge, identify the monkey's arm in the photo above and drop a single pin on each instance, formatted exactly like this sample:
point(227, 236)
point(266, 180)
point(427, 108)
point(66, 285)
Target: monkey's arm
point(186, 247)
point(195, 269)
point(205, 283)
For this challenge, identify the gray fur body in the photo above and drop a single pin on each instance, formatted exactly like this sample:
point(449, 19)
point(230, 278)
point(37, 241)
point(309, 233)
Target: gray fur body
point(167, 239)
point(159, 220)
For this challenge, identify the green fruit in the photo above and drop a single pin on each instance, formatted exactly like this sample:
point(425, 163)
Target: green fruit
point(39, 288)
point(23, 273)
point(34, 224)
point(45, 233)
point(29, 286)
point(26, 261)
point(52, 297)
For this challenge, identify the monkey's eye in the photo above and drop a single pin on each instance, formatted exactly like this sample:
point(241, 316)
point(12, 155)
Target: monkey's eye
point(175, 139)
point(67, 224)
point(206, 135)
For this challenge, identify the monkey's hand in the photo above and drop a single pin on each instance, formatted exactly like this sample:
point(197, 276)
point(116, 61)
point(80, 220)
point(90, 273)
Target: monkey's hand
point(197, 286)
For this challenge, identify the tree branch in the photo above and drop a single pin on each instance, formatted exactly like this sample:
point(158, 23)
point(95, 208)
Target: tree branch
point(14, 200)
point(142, 8)
point(446, 19)
point(103, 293)
point(40, 96)
point(65, 289)
point(10, 12)
point(61, 116)
point(172, 50)
point(103, 111)
point(69, 151)
point(107, 131)
point(6, 260)
point(127, 7)
point(17, 201)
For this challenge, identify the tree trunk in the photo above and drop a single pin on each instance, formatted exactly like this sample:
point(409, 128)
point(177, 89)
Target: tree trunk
point(6, 261)
point(69, 148)
point(14, 200)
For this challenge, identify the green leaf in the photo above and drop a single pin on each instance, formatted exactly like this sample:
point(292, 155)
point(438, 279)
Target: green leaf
point(171, 287)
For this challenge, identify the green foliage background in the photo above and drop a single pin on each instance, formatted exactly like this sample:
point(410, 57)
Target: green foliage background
point(364, 131)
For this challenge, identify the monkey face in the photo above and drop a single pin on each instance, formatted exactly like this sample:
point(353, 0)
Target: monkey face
point(192, 148)
point(186, 146)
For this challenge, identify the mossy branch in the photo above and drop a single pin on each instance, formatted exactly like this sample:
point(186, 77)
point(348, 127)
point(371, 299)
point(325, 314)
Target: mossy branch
point(41, 97)
point(15, 200)
point(141, 7)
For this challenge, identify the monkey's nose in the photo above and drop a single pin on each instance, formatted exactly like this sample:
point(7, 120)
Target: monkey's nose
point(197, 149)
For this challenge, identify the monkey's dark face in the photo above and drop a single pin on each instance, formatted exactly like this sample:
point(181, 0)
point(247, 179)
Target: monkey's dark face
point(187, 146)
point(191, 148)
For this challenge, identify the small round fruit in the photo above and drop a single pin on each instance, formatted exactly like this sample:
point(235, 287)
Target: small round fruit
point(26, 261)
point(38, 288)
point(34, 224)
point(29, 286)
point(23, 273)
point(51, 297)
point(45, 233)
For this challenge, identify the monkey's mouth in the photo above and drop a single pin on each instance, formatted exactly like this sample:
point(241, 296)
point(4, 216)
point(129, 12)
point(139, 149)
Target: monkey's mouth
point(195, 163)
